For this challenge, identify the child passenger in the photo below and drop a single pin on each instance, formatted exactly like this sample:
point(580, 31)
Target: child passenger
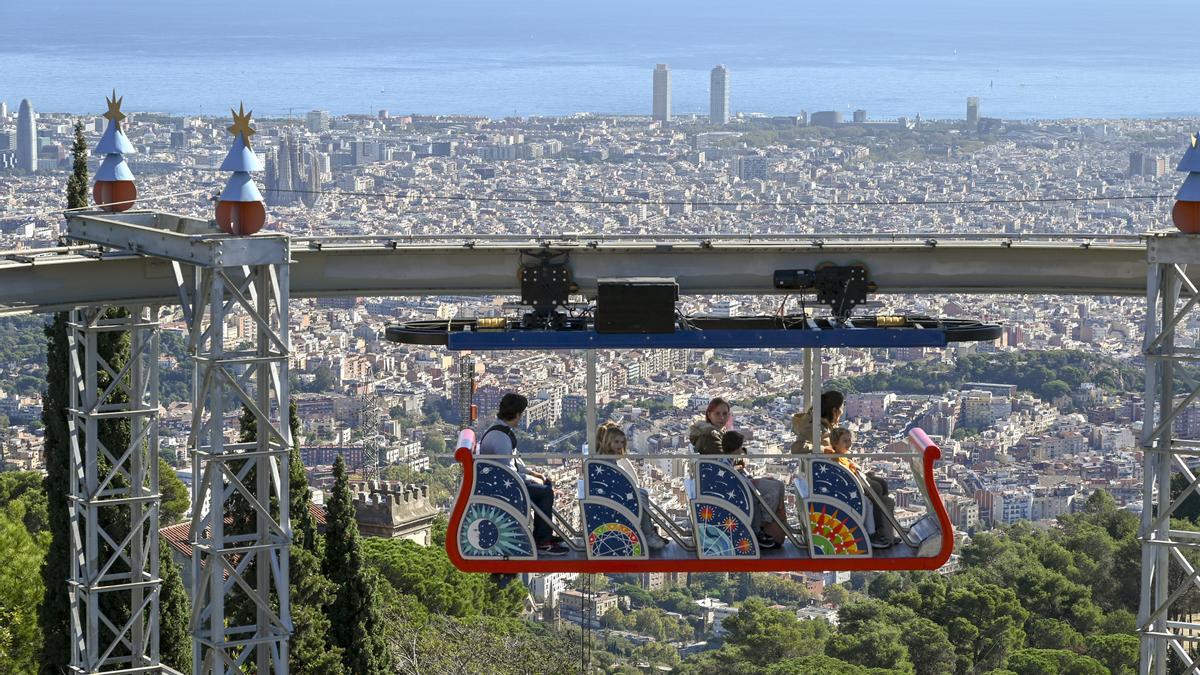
point(841, 440)
point(611, 441)
point(770, 534)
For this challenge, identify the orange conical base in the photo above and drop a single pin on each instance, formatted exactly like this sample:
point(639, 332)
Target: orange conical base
point(1187, 216)
point(114, 195)
point(241, 217)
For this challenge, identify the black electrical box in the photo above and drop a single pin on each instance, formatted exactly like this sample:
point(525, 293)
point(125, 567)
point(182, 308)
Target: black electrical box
point(636, 305)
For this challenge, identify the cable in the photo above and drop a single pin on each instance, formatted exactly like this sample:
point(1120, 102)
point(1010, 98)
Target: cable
point(643, 202)
point(55, 212)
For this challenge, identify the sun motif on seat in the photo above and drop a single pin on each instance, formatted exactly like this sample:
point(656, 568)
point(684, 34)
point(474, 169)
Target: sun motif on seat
point(729, 524)
point(706, 513)
point(834, 532)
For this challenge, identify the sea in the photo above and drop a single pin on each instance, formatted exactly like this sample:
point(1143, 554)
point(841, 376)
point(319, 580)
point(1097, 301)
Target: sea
point(1049, 59)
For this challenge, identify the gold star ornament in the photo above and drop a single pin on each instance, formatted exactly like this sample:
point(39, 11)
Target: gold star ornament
point(241, 122)
point(114, 113)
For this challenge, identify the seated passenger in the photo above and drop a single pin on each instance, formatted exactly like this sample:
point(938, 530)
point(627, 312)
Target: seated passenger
point(770, 534)
point(706, 436)
point(841, 440)
point(832, 403)
point(500, 439)
point(611, 441)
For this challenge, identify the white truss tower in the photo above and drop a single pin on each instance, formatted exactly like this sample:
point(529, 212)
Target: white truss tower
point(240, 603)
point(1172, 296)
point(113, 511)
point(240, 565)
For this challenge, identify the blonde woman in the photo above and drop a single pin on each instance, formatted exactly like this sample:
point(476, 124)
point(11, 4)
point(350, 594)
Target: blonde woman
point(612, 442)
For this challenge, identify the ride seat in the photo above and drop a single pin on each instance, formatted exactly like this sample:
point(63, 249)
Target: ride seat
point(722, 503)
point(497, 521)
point(836, 506)
point(611, 508)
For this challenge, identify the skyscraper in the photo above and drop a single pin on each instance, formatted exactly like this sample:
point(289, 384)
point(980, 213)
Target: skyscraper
point(27, 145)
point(662, 93)
point(3, 109)
point(718, 95)
point(972, 110)
point(317, 121)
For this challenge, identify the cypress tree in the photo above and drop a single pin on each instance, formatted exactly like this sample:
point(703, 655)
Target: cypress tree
point(114, 434)
point(174, 611)
point(355, 612)
point(77, 184)
point(54, 612)
point(310, 648)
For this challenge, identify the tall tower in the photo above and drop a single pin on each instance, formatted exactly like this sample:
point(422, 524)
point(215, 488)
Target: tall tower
point(662, 93)
point(27, 145)
point(718, 95)
point(972, 110)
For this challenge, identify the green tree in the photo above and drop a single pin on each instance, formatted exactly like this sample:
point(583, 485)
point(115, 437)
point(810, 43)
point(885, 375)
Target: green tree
point(613, 618)
point(175, 496)
point(174, 611)
point(876, 645)
point(54, 610)
point(25, 487)
point(1118, 653)
point(769, 635)
point(20, 590)
point(836, 595)
point(77, 184)
point(311, 593)
point(984, 623)
point(355, 610)
point(310, 648)
point(816, 664)
point(1053, 662)
point(427, 575)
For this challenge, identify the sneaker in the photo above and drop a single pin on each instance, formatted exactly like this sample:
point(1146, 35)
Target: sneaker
point(877, 542)
point(766, 541)
point(552, 548)
point(555, 539)
point(656, 542)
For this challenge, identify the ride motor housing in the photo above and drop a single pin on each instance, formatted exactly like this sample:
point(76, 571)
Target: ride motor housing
point(636, 305)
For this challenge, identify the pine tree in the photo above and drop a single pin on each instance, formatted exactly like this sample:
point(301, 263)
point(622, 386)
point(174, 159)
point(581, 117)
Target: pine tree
point(174, 611)
point(355, 612)
point(54, 612)
point(77, 184)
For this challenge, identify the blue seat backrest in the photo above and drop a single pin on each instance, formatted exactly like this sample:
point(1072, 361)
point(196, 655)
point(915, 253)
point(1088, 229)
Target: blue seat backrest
point(831, 479)
point(720, 479)
point(606, 480)
point(498, 481)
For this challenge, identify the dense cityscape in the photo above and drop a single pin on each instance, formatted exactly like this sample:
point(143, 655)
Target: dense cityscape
point(1039, 428)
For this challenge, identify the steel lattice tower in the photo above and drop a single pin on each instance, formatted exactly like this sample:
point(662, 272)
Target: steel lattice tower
point(114, 502)
point(1166, 574)
point(240, 604)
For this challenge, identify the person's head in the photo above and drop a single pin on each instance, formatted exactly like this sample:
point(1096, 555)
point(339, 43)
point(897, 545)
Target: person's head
point(831, 406)
point(717, 412)
point(841, 439)
point(733, 443)
point(611, 440)
point(511, 407)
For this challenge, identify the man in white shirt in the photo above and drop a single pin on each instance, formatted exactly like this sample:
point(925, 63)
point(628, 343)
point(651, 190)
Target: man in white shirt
point(500, 439)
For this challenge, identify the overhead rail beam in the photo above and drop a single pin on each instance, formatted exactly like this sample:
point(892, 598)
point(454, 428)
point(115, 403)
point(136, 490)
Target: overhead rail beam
point(701, 264)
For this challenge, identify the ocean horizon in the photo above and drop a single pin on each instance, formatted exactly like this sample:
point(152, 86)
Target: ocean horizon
point(1025, 60)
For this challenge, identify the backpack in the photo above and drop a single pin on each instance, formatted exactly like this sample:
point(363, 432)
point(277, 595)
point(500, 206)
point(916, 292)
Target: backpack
point(506, 430)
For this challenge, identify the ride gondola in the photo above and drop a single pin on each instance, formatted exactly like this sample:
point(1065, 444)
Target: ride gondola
point(491, 524)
